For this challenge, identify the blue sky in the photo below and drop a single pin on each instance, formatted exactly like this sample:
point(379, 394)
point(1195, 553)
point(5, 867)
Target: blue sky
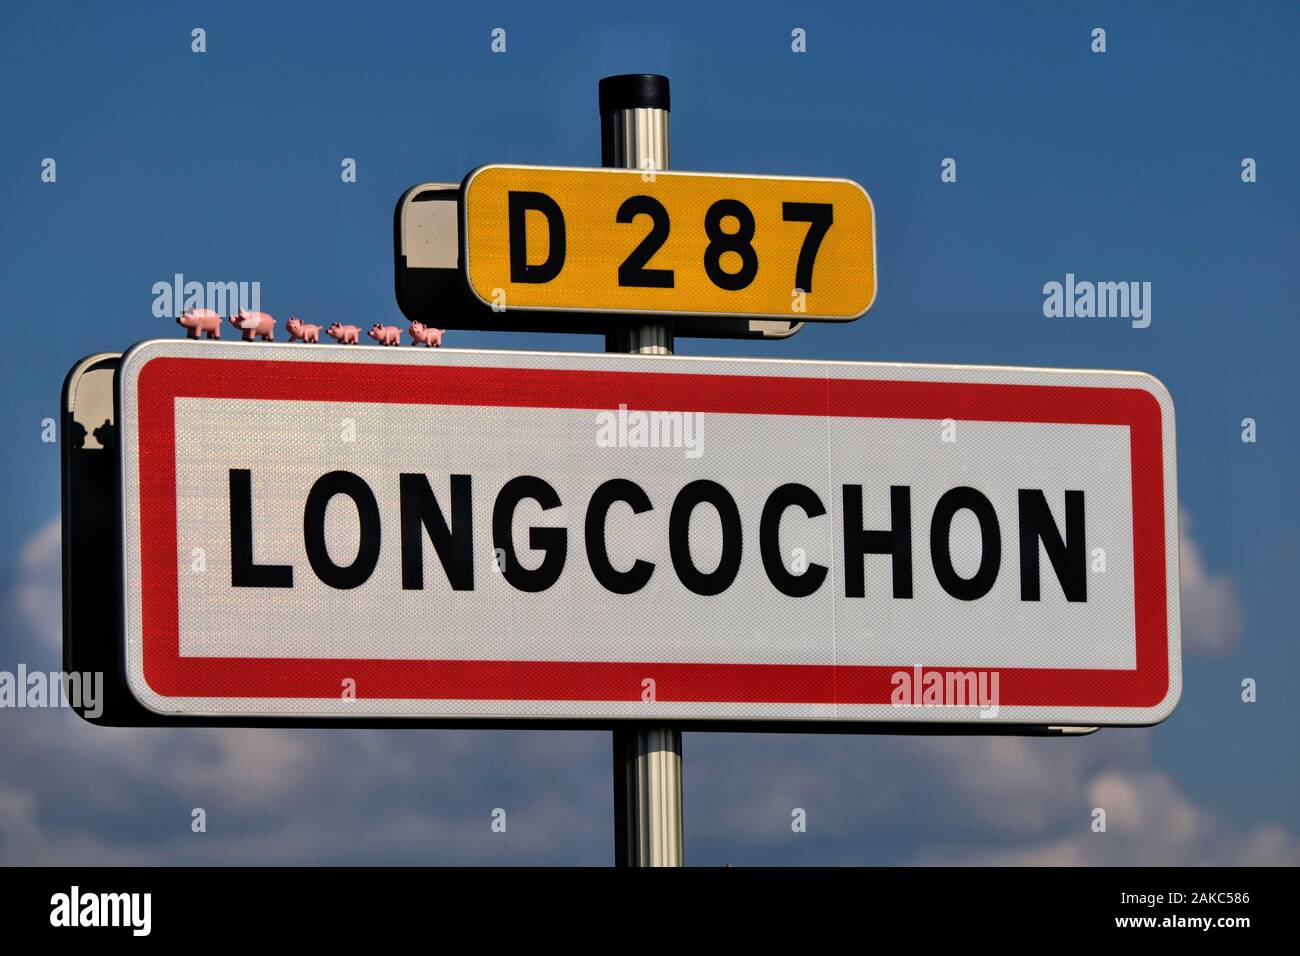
point(1117, 166)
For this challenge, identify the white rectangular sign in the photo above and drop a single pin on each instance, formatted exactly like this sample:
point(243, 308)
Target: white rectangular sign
point(352, 531)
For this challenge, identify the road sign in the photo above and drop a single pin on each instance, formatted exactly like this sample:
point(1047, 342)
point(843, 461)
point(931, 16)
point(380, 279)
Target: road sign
point(357, 531)
point(668, 243)
point(430, 289)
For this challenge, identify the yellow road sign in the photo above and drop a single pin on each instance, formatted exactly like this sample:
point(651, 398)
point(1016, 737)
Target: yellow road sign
point(613, 240)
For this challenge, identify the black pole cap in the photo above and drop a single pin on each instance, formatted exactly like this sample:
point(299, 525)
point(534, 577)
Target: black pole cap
point(630, 91)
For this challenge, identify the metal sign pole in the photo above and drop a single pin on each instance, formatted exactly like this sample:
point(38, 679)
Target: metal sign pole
point(647, 760)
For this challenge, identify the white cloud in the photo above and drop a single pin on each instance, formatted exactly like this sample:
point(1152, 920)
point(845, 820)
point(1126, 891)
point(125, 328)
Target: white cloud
point(1149, 820)
point(1212, 616)
point(956, 801)
point(35, 598)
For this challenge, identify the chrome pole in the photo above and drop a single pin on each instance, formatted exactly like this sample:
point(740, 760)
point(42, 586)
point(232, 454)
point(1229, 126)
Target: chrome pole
point(634, 135)
point(647, 760)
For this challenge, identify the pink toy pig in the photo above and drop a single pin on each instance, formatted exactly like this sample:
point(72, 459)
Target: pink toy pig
point(300, 331)
point(254, 325)
point(422, 334)
point(200, 320)
point(346, 334)
point(385, 334)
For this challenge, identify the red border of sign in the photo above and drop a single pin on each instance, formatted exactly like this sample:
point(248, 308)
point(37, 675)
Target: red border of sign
point(162, 380)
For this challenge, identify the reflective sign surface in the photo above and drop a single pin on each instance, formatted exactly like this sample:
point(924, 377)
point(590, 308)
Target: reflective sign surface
point(609, 240)
point(351, 530)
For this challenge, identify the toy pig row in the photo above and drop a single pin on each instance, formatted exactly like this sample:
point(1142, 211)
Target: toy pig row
point(259, 325)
